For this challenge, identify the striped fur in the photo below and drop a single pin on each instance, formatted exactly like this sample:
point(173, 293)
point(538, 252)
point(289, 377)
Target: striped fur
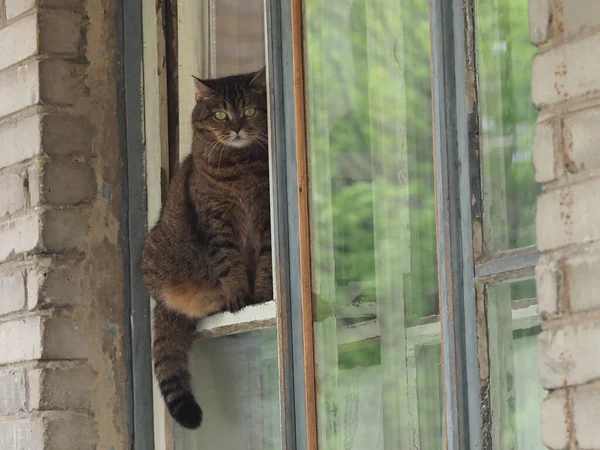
point(210, 249)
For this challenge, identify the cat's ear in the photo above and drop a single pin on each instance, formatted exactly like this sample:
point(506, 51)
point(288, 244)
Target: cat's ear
point(259, 80)
point(201, 89)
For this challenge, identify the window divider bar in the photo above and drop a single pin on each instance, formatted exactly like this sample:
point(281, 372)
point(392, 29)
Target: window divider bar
point(286, 226)
point(456, 183)
point(304, 250)
point(132, 151)
point(470, 204)
point(503, 264)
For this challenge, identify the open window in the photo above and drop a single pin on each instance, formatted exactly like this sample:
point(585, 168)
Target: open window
point(403, 202)
point(234, 361)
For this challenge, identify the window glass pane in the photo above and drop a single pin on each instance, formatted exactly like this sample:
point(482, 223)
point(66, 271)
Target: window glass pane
point(507, 120)
point(516, 394)
point(372, 210)
point(235, 379)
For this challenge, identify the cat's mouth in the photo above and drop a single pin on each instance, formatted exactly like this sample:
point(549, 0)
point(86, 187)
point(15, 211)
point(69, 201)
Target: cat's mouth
point(238, 141)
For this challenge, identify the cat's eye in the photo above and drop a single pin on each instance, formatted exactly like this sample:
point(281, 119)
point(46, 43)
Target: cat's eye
point(249, 112)
point(220, 115)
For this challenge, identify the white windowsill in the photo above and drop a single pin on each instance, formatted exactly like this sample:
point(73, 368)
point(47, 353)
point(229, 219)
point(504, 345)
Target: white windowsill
point(250, 318)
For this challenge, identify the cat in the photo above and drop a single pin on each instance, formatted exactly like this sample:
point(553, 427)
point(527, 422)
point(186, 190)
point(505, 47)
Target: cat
point(210, 250)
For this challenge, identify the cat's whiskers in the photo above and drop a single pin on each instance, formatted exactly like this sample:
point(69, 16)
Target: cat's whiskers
point(211, 150)
point(259, 137)
point(220, 154)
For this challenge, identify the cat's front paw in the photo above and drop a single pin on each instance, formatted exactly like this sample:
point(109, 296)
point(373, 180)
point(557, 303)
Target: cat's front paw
point(236, 290)
point(237, 293)
point(238, 301)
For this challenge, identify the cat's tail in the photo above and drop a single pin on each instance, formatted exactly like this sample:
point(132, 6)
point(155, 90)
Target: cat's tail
point(173, 337)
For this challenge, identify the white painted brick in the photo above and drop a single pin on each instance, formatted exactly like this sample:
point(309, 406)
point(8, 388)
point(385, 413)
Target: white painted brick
point(579, 15)
point(16, 7)
point(581, 133)
point(19, 87)
point(22, 434)
point(33, 337)
point(546, 274)
point(19, 41)
point(50, 81)
point(61, 389)
point(12, 198)
point(20, 340)
point(20, 140)
point(539, 18)
point(555, 421)
point(12, 293)
point(568, 215)
point(570, 356)
point(586, 415)
point(566, 72)
point(13, 393)
point(35, 280)
point(34, 189)
point(19, 234)
point(70, 432)
point(543, 153)
point(583, 280)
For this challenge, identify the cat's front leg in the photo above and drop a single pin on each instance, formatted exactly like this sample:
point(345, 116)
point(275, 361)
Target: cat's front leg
point(263, 285)
point(236, 289)
point(226, 263)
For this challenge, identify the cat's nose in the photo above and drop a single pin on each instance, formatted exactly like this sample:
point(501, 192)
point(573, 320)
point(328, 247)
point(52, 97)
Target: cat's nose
point(236, 128)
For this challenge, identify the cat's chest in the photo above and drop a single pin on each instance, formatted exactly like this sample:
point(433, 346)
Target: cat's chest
point(247, 207)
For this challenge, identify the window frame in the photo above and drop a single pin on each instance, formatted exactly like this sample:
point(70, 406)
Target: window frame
point(463, 268)
point(131, 107)
point(161, 87)
point(469, 417)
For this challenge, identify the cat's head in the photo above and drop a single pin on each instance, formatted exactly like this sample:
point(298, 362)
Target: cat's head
point(232, 110)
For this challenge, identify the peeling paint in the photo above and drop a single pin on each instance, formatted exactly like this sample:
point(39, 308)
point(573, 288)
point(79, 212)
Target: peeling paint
point(111, 328)
point(105, 192)
point(111, 382)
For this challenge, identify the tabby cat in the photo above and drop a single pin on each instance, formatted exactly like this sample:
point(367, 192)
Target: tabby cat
point(210, 250)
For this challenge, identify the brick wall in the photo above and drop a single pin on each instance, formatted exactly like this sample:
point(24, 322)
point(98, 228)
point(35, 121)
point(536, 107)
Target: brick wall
point(62, 375)
point(566, 88)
